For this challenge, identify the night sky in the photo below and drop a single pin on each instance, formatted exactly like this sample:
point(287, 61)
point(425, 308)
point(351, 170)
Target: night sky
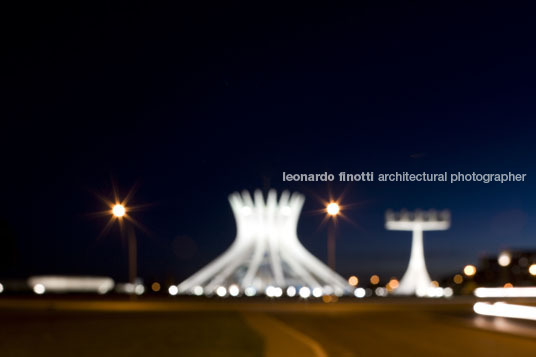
point(192, 104)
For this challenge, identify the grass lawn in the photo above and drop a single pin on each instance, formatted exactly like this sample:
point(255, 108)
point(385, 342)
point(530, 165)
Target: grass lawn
point(78, 334)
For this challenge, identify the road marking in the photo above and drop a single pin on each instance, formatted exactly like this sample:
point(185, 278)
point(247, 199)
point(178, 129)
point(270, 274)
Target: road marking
point(280, 339)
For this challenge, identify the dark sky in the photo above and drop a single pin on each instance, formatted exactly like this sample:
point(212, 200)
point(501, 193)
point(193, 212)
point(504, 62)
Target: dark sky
point(192, 104)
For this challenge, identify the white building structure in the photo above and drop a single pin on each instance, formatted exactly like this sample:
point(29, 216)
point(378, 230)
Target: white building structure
point(266, 256)
point(416, 279)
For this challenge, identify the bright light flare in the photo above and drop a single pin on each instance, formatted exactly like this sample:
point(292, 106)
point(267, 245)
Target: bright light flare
point(118, 210)
point(333, 208)
point(502, 309)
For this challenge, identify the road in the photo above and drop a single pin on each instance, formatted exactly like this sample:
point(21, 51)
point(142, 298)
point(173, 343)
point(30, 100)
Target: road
point(378, 327)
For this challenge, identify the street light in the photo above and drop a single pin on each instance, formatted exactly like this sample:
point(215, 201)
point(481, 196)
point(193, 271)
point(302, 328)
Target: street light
point(332, 209)
point(118, 210)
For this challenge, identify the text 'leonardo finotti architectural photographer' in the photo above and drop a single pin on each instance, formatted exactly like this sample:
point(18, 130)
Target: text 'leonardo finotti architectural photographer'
point(370, 176)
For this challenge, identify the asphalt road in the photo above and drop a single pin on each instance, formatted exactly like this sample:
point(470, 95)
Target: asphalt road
point(381, 327)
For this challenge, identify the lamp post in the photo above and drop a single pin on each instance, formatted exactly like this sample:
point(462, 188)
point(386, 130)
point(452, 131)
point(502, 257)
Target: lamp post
point(332, 210)
point(119, 211)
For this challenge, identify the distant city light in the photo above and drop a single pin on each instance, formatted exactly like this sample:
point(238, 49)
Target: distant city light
point(434, 292)
point(221, 291)
point(269, 291)
point(504, 259)
point(458, 279)
point(127, 288)
point(532, 270)
point(250, 291)
point(155, 287)
point(328, 290)
point(173, 290)
point(198, 290)
point(359, 292)
point(448, 292)
point(317, 292)
point(501, 309)
point(375, 279)
point(273, 291)
point(333, 209)
point(39, 289)
point(305, 292)
point(469, 270)
point(234, 290)
point(393, 284)
point(139, 289)
point(291, 291)
point(380, 291)
point(118, 210)
point(353, 280)
point(505, 292)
